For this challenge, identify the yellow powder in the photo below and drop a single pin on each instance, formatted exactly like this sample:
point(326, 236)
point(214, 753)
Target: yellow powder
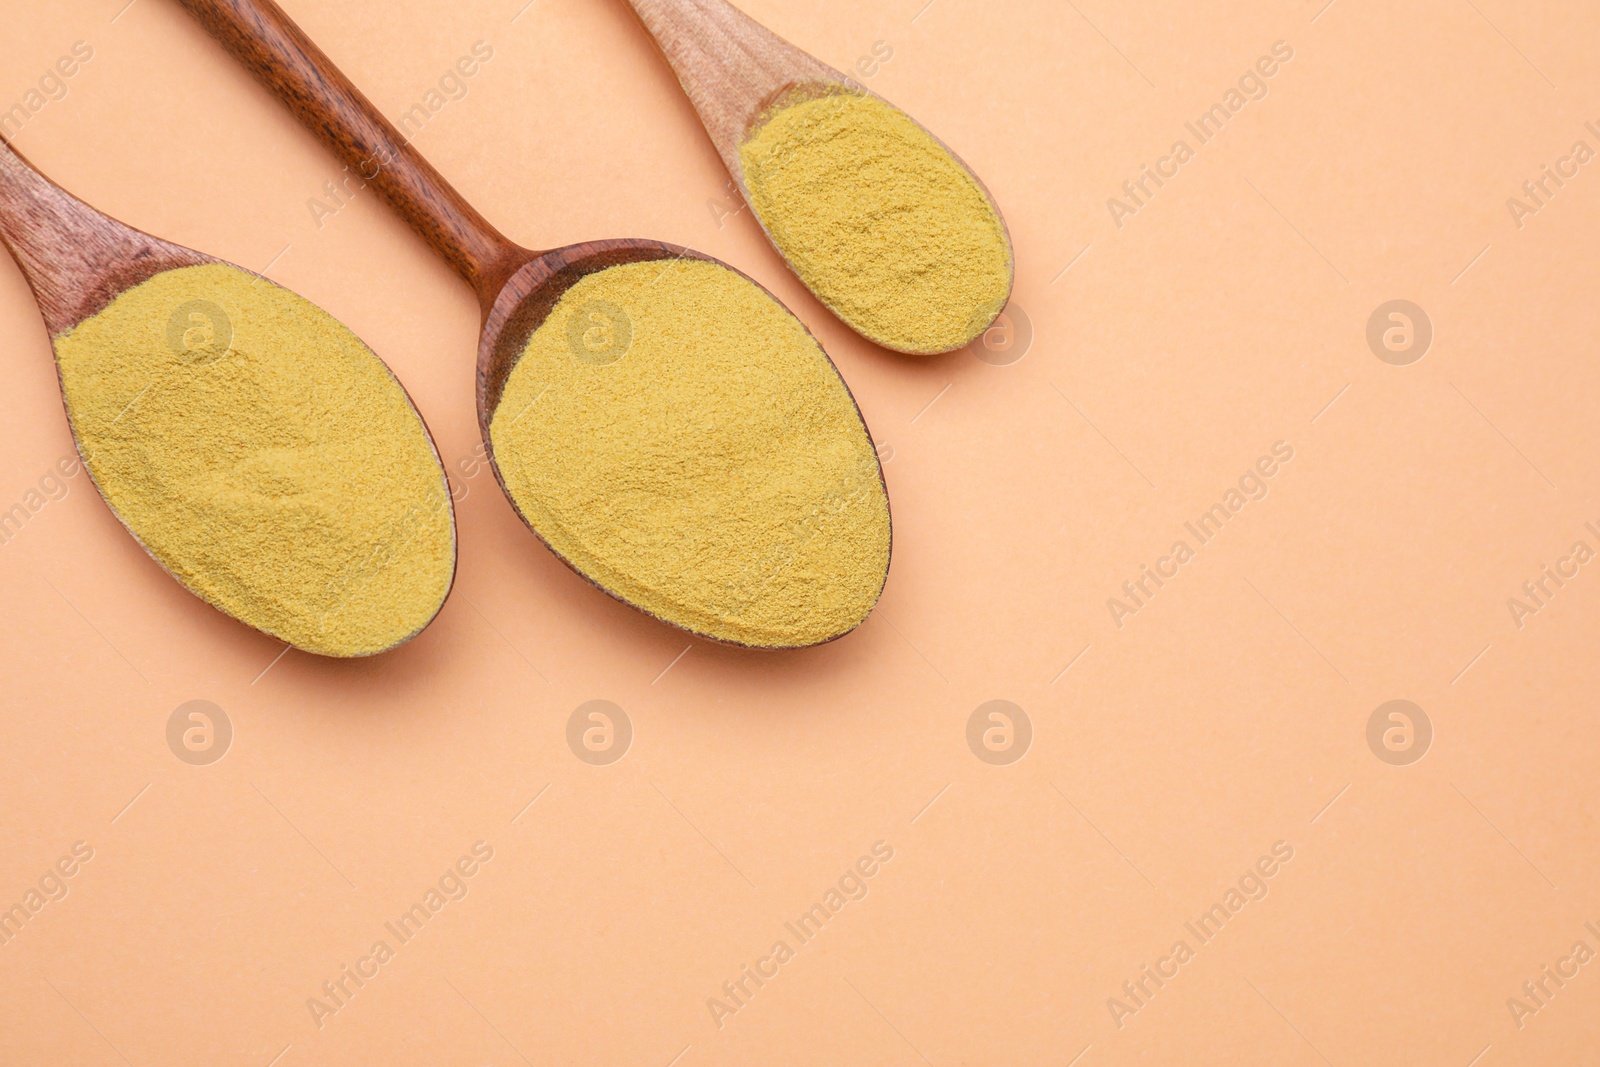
point(677, 436)
point(265, 457)
point(879, 220)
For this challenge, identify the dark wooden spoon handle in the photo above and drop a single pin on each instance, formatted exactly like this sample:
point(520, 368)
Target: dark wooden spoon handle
point(267, 42)
point(76, 260)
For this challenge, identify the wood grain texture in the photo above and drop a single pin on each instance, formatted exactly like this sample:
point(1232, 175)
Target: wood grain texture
point(516, 287)
point(732, 67)
point(526, 302)
point(77, 260)
point(529, 296)
point(290, 66)
point(735, 71)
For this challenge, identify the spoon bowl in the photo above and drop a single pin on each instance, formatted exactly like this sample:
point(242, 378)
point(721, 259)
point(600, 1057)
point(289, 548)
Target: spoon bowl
point(742, 77)
point(752, 513)
point(526, 299)
point(214, 517)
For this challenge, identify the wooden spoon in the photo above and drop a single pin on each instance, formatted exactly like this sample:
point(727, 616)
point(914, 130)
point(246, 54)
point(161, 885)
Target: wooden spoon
point(517, 288)
point(735, 71)
point(78, 262)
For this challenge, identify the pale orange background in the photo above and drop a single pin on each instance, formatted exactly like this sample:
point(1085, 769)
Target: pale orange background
point(1227, 715)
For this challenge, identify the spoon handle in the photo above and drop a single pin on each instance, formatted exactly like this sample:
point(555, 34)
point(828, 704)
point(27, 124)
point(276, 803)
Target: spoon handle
point(42, 226)
point(730, 66)
point(76, 260)
point(267, 42)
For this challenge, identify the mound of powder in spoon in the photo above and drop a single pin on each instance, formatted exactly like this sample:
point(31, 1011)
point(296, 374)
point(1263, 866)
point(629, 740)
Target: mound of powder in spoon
point(879, 220)
point(264, 456)
point(676, 436)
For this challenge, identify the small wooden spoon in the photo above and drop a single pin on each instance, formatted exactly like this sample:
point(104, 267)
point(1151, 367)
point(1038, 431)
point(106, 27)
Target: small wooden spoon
point(734, 71)
point(78, 261)
point(516, 287)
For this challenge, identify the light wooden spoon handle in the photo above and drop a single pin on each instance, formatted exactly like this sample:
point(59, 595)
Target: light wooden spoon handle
point(289, 65)
point(731, 67)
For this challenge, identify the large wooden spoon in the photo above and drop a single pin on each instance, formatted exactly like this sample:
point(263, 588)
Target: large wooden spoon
point(518, 289)
point(738, 74)
point(195, 522)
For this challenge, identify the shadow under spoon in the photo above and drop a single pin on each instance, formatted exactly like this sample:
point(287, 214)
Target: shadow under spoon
point(676, 436)
point(179, 373)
